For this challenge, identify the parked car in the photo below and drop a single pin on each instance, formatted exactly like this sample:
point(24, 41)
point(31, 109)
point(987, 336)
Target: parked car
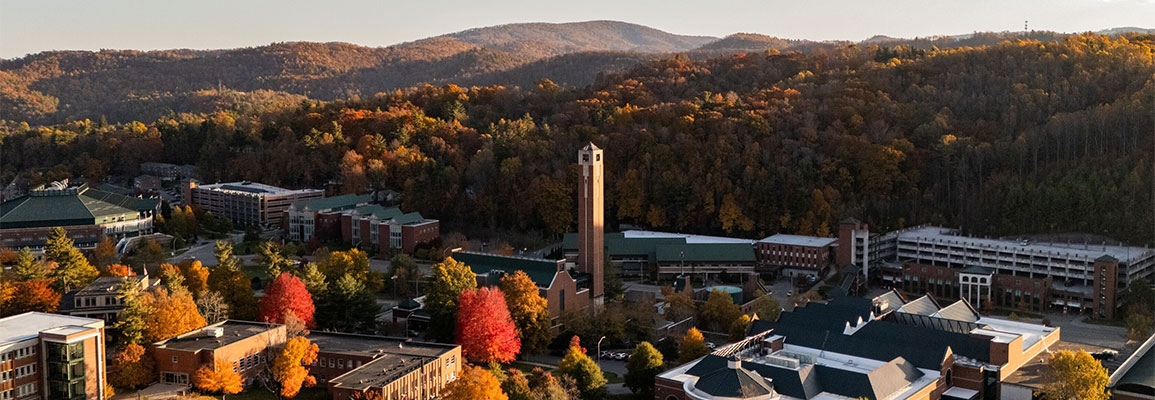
point(711, 345)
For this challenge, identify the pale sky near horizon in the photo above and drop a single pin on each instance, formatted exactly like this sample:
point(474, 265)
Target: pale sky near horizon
point(31, 26)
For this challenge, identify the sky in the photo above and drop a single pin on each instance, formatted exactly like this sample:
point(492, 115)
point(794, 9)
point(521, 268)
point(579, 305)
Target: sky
point(31, 26)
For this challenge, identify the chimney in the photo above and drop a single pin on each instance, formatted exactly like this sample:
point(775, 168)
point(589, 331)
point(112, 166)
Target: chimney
point(734, 362)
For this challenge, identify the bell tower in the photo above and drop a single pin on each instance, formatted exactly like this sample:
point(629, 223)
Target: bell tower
point(591, 223)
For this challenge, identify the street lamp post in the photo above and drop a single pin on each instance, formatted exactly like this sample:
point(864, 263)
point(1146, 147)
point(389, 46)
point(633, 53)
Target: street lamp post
point(394, 279)
point(600, 351)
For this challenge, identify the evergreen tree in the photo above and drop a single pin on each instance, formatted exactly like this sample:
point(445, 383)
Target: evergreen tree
point(314, 280)
point(72, 269)
point(26, 268)
point(131, 322)
point(348, 307)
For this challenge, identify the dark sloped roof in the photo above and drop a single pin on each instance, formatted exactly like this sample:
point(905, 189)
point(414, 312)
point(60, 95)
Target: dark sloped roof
point(820, 327)
point(1141, 376)
point(42, 211)
point(129, 202)
point(848, 383)
point(731, 382)
point(801, 383)
point(974, 269)
point(541, 270)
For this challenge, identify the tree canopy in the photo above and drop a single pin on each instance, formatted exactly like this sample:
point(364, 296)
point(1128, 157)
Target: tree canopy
point(450, 278)
point(644, 365)
point(1074, 375)
point(484, 328)
point(287, 295)
point(529, 311)
point(474, 383)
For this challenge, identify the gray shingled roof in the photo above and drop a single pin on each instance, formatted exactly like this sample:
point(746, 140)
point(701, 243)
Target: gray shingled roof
point(733, 382)
point(924, 305)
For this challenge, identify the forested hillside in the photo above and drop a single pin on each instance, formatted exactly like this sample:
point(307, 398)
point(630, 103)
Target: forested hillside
point(1025, 136)
point(121, 86)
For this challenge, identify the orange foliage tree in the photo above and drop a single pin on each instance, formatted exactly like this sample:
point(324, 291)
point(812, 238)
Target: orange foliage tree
point(117, 270)
point(172, 314)
point(196, 276)
point(289, 367)
point(474, 383)
point(220, 379)
point(484, 329)
point(131, 367)
point(34, 295)
point(287, 294)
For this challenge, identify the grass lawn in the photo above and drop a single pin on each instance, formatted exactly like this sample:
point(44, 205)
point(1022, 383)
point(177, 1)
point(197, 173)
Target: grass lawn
point(612, 377)
point(257, 393)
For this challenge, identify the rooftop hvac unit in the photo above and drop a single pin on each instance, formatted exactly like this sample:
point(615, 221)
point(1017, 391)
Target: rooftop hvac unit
point(214, 331)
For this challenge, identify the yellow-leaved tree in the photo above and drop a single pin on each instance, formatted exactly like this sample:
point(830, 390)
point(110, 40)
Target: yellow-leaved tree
point(289, 367)
point(474, 383)
point(219, 379)
point(1075, 375)
point(171, 314)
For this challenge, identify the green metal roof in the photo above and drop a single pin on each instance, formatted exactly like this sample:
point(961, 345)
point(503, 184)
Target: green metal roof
point(335, 203)
point(706, 252)
point(129, 202)
point(618, 245)
point(42, 211)
point(408, 218)
point(90, 207)
point(540, 270)
point(379, 212)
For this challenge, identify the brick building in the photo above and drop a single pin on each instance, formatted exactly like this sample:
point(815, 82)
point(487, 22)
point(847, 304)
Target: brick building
point(101, 299)
point(240, 343)
point(354, 220)
point(793, 255)
point(564, 289)
point(395, 368)
point(51, 356)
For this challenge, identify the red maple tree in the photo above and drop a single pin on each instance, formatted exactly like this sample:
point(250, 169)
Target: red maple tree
point(287, 294)
point(485, 330)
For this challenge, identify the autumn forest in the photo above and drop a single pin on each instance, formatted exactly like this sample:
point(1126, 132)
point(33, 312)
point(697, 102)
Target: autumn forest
point(1021, 136)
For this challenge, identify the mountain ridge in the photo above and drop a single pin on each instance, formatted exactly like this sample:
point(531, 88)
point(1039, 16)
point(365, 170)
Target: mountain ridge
point(124, 85)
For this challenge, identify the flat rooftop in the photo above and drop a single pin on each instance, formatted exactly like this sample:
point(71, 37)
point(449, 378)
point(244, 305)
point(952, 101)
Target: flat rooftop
point(798, 240)
point(25, 326)
point(254, 188)
point(106, 285)
point(348, 343)
point(690, 239)
point(233, 331)
point(380, 371)
point(1088, 251)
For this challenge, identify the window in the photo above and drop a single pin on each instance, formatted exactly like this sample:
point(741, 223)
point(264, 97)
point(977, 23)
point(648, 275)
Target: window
point(174, 359)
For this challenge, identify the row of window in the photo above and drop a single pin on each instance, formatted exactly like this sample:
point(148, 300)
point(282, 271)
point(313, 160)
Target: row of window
point(245, 363)
point(336, 363)
point(18, 372)
point(16, 354)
